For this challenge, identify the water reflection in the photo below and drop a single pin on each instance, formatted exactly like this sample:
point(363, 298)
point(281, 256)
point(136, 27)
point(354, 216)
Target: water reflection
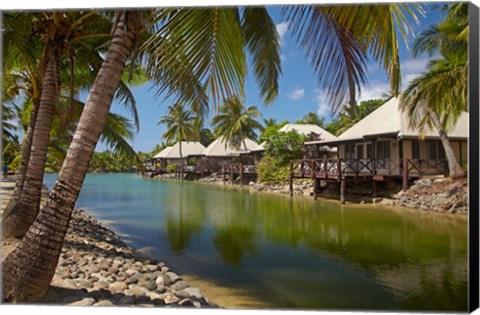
point(294, 253)
point(415, 256)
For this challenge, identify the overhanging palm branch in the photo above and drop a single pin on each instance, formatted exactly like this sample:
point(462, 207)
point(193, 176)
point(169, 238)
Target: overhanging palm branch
point(338, 39)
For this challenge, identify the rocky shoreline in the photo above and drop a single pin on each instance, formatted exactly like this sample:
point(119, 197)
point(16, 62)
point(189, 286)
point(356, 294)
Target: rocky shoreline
point(96, 268)
point(437, 194)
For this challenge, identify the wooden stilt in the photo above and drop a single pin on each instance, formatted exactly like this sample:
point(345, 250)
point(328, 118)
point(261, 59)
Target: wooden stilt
point(224, 175)
point(374, 188)
point(290, 180)
point(231, 175)
point(405, 175)
point(315, 188)
point(241, 175)
point(342, 189)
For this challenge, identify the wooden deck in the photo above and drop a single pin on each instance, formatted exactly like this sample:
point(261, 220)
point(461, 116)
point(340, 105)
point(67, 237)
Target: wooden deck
point(370, 169)
point(239, 170)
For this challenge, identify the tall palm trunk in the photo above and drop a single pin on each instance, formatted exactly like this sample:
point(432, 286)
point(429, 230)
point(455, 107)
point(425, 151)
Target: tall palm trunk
point(22, 213)
point(455, 170)
point(25, 157)
point(28, 270)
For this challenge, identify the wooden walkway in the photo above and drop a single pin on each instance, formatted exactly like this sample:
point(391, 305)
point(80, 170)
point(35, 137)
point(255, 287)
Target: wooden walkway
point(373, 170)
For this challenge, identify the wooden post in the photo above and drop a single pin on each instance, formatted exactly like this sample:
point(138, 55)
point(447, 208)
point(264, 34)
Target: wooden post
point(290, 180)
point(315, 188)
point(241, 175)
point(405, 175)
point(231, 175)
point(224, 175)
point(374, 188)
point(342, 189)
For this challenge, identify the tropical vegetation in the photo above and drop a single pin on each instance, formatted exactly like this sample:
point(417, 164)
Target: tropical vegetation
point(438, 97)
point(236, 123)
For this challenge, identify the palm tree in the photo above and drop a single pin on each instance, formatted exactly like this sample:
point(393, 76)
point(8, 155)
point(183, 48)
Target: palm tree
point(179, 126)
point(212, 39)
point(57, 30)
point(204, 135)
point(24, 206)
point(438, 97)
point(338, 40)
point(235, 123)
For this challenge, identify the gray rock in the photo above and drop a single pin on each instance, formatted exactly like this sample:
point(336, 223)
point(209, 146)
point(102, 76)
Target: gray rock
point(150, 268)
point(134, 289)
point(170, 298)
point(194, 292)
point(160, 281)
point(143, 299)
point(180, 285)
point(173, 276)
point(104, 303)
point(68, 283)
point(113, 270)
point(117, 287)
point(133, 279)
point(186, 302)
point(82, 283)
point(148, 284)
point(101, 285)
point(127, 300)
point(84, 302)
point(131, 272)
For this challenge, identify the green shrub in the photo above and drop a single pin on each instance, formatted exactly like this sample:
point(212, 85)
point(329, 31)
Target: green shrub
point(285, 146)
point(270, 171)
point(171, 168)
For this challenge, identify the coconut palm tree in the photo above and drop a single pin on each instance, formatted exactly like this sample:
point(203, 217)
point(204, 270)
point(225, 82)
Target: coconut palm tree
point(179, 126)
point(235, 122)
point(338, 40)
point(438, 97)
point(24, 205)
point(213, 41)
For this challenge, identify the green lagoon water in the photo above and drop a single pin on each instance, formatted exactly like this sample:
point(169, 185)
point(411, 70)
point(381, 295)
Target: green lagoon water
point(291, 253)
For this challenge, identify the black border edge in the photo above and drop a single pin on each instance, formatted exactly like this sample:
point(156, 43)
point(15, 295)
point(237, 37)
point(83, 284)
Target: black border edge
point(473, 81)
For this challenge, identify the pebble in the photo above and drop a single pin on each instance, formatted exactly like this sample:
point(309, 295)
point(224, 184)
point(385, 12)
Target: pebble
point(104, 303)
point(103, 271)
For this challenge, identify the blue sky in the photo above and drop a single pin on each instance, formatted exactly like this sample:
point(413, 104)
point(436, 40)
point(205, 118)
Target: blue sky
point(299, 91)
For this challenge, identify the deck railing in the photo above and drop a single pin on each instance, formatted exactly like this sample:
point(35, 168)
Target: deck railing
point(334, 168)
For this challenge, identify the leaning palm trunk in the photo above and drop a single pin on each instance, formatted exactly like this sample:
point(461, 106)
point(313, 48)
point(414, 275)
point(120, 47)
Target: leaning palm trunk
point(455, 170)
point(23, 212)
point(28, 270)
point(25, 157)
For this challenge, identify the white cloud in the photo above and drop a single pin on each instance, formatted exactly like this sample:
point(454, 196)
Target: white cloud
point(374, 90)
point(297, 94)
point(282, 30)
point(414, 65)
point(321, 99)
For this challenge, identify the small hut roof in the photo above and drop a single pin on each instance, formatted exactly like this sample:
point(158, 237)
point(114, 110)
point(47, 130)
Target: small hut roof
point(306, 129)
point(189, 148)
point(389, 119)
point(218, 148)
point(162, 154)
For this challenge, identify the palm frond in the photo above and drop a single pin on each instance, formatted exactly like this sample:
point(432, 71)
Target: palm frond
point(205, 44)
point(261, 37)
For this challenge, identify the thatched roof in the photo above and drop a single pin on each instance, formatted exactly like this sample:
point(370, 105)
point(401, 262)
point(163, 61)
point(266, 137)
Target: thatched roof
point(218, 148)
point(388, 119)
point(306, 129)
point(189, 148)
